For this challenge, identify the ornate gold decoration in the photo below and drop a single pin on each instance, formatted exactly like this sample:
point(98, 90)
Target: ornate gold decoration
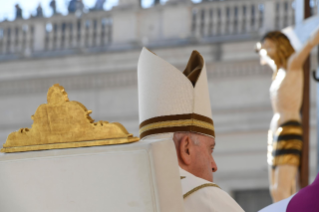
point(65, 124)
point(200, 187)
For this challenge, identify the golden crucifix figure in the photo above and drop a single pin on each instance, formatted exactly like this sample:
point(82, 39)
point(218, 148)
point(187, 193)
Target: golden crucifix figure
point(285, 133)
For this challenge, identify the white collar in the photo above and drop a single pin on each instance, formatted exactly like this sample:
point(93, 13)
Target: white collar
point(184, 173)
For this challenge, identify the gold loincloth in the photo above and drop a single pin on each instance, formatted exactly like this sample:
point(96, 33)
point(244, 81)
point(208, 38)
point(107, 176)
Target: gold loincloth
point(286, 145)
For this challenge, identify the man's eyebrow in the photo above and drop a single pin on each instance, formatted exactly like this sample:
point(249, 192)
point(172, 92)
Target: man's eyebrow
point(213, 145)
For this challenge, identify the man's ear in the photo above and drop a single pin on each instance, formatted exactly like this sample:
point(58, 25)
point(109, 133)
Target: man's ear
point(185, 149)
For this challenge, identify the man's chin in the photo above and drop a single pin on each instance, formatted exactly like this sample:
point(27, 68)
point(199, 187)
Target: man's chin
point(209, 178)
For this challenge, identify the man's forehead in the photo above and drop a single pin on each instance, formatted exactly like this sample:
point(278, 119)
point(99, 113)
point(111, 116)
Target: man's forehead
point(210, 140)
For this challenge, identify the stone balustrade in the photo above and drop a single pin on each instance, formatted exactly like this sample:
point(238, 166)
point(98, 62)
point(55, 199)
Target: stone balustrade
point(92, 30)
point(56, 33)
point(173, 23)
point(228, 18)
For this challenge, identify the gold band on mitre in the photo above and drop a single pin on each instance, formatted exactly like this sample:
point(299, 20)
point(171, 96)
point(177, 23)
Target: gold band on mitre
point(175, 123)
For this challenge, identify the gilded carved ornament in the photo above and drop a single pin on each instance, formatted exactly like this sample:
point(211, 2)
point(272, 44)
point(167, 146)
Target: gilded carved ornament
point(63, 124)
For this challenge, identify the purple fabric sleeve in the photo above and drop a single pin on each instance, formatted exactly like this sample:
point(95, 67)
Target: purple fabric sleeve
point(306, 200)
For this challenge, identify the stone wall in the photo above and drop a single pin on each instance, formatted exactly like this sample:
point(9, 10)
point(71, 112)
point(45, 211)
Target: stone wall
point(104, 77)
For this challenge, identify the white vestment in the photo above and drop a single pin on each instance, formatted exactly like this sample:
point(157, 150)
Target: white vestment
point(280, 206)
point(204, 196)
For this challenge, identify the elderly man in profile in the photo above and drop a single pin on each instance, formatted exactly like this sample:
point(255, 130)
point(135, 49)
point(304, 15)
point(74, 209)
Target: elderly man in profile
point(175, 105)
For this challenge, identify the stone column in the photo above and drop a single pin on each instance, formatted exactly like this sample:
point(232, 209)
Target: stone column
point(299, 12)
point(4, 40)
point(124, 21)
point(177, 20)
point(269, 16)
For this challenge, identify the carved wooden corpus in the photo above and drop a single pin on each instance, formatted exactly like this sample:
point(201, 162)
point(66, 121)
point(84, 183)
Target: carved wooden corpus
point(65, 124)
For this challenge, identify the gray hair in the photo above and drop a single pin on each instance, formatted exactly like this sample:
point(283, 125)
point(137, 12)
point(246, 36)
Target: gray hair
point(179, 135)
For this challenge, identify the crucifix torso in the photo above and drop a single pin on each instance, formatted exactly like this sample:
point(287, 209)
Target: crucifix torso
point(286, 97)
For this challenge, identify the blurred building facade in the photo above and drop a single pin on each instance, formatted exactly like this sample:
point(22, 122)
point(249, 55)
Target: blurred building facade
point(94, 56)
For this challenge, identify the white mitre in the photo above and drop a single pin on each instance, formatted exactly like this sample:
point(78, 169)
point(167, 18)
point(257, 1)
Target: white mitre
point(171, 100)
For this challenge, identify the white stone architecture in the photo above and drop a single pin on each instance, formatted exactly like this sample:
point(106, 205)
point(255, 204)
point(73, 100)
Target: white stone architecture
point(94, 56)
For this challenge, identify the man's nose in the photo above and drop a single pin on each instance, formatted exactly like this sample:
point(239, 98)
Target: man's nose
point(214, 166)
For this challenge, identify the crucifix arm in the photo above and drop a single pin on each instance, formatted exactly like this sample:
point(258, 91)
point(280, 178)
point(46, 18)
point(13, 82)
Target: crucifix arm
point(297, 60)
